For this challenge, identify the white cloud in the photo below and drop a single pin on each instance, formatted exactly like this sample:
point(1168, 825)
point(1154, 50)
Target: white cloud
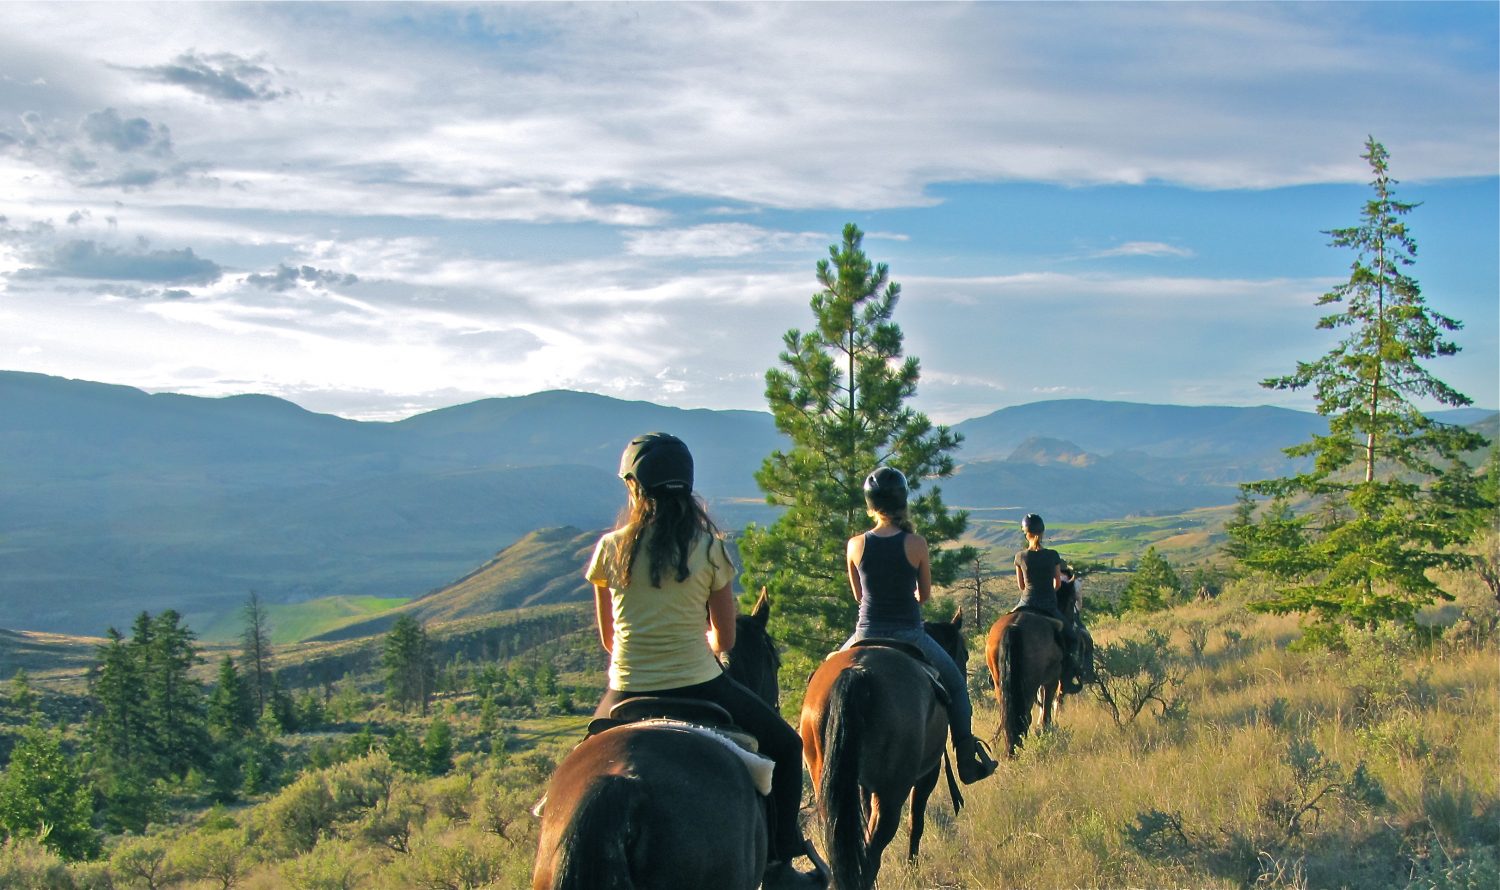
point(718, 240)
point(1145, 248)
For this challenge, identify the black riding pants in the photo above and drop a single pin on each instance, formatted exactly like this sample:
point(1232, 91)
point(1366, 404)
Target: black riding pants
point(777, 740)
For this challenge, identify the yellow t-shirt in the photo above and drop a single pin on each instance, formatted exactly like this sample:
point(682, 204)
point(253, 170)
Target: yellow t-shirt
point(660, 637)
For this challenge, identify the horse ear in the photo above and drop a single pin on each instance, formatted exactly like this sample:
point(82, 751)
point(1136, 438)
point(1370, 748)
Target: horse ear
point(958, 618)
point(762, 611)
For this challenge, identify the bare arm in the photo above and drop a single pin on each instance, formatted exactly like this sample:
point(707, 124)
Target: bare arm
point(721, 614)
point(1020, 579)
point(1057, 576)
point(852, 553)
point(604, 616)
point(920, 558)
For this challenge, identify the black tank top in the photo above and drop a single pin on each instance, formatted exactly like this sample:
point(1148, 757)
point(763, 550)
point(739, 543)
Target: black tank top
point(888, 584)
point(1039, 567)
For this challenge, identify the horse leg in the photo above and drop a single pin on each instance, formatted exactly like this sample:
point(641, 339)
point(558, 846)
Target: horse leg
point(885, 818)
point(1049, 701)
point(919, 797)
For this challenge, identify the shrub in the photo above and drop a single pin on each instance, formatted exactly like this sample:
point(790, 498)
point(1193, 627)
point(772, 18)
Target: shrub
point(25, 862)
point(331, 865)
point(142, 861)
point(221, 857)
point(1132, 673)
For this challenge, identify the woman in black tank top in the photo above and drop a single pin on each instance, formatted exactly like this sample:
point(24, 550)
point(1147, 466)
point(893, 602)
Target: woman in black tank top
point(890, 572)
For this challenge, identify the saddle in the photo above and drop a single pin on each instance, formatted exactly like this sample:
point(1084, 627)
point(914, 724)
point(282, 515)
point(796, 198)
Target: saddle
point(685, 715)
point(1057, 623)
point(662, 707)
point(915, 651)
point(691, 715)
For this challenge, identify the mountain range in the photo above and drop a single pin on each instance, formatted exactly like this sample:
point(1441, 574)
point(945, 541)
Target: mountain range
point(113, 500)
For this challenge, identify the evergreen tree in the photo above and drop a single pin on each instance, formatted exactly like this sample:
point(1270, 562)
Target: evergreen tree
point(1387, 494)
point(410, 670)
point(118, 730)
point(256, 650)
point(231, 709)
point(22, 696)
point(1153, 586)
point(174, 699)
point(42, 794)
point(437, 748)
point(405, 751)
point(840, 396)
point(281, 707)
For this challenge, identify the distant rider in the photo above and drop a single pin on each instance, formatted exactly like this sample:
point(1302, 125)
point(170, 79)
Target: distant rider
point(1039, 575)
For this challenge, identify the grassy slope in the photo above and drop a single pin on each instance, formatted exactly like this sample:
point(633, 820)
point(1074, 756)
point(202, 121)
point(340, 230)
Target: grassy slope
point(1060, 816)
point(293, 622)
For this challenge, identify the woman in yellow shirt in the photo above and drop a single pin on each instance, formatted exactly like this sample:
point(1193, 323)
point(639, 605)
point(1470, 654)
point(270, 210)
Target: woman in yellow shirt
point(655, 576)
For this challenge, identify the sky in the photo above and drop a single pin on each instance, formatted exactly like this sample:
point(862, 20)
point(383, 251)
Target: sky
point(375, 210)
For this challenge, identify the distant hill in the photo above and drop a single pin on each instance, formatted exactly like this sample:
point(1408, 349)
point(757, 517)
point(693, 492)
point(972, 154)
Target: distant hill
point(544, 567)
point(113, 500)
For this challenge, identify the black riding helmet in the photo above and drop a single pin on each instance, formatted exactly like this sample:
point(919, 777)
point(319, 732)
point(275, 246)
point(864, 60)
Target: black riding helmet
point(885, 489)
point(658, 462)
point(1032, 524)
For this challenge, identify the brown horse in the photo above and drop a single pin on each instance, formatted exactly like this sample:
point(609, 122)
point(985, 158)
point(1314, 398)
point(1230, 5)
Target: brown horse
point(874, 732)
point(645, 806)
point(1025, 662)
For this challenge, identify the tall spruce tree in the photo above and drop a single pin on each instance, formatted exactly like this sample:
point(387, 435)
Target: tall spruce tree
point(410, 671)
point(174, 699)
point(1387, 495)
point(231, 709)
point(118, 731)
point(840, 395)
point(256, 650)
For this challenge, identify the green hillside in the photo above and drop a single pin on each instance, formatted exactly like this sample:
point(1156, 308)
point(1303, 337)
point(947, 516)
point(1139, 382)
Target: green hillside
point(542, 568)
point(294, 622)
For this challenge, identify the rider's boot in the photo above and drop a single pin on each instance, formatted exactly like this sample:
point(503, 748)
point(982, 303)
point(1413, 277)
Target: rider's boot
point(973, 761)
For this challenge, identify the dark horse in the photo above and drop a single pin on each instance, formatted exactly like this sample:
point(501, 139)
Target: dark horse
point(1025, 662)
point(874, 732)
point(656, 806)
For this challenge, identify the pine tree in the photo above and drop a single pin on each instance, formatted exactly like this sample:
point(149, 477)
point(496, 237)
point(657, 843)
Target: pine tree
point(410, 671)
point(174, 699)
point(1153, 586)
point(256, 650)
point(118, 730)
point(1388, 493)
point(437, 748)
point(840, 396)
point(42, 794)
point(22, 696)
point(231, 709)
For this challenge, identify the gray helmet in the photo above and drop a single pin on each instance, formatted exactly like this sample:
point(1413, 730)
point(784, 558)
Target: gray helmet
point(1032, 524)
point(886, 489)
point(658, 462)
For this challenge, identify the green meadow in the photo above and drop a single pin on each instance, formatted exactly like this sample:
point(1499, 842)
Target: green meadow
point(294, 622)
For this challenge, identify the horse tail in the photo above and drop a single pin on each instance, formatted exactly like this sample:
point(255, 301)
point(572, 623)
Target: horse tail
point(594, 852)
point(1017, 704)
point(839, 793)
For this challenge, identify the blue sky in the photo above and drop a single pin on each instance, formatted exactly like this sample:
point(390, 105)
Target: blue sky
point(374, 210)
